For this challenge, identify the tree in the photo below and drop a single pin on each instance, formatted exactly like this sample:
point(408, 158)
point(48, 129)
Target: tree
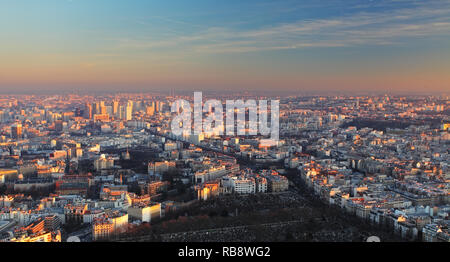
point(212, 214)
point(224, 213)
point(171, 175)
point(289, 237)
point(3, 189)
point(134, 187)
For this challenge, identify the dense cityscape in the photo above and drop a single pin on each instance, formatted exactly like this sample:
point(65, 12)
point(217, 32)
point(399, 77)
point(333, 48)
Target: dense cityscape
point(82, 168)
point(211, 130)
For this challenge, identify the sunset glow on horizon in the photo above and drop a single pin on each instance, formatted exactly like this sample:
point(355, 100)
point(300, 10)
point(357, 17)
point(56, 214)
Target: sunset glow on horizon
point(290, 46)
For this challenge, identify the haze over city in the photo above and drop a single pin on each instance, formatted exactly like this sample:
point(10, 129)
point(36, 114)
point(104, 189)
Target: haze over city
point(286, 47)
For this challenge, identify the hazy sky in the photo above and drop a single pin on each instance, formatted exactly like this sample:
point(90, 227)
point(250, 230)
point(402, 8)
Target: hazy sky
point(311, 45)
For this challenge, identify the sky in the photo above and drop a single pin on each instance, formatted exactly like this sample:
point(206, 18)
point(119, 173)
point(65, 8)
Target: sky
point(309, 46)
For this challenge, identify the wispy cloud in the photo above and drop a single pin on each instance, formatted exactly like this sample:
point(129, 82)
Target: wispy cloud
point(361, 28)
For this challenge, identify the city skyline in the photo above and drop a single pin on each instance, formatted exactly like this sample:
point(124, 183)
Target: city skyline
point(333, 169)
point(287, 47)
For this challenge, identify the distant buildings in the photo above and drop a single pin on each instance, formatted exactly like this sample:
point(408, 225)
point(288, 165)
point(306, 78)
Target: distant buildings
point(156, 187)
point(158, 168)
point(16, 131)
point(210, 174)
point(243, 182)
point(436, 232)
point(109, 224)
point(207, 190)
point(243, 185)
point(113, 192)
point(74, 185)
point(275, 182)
point(145, 212)
point(103, 162)
point(8, 174)
point(36, 231)
point(380, 158)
